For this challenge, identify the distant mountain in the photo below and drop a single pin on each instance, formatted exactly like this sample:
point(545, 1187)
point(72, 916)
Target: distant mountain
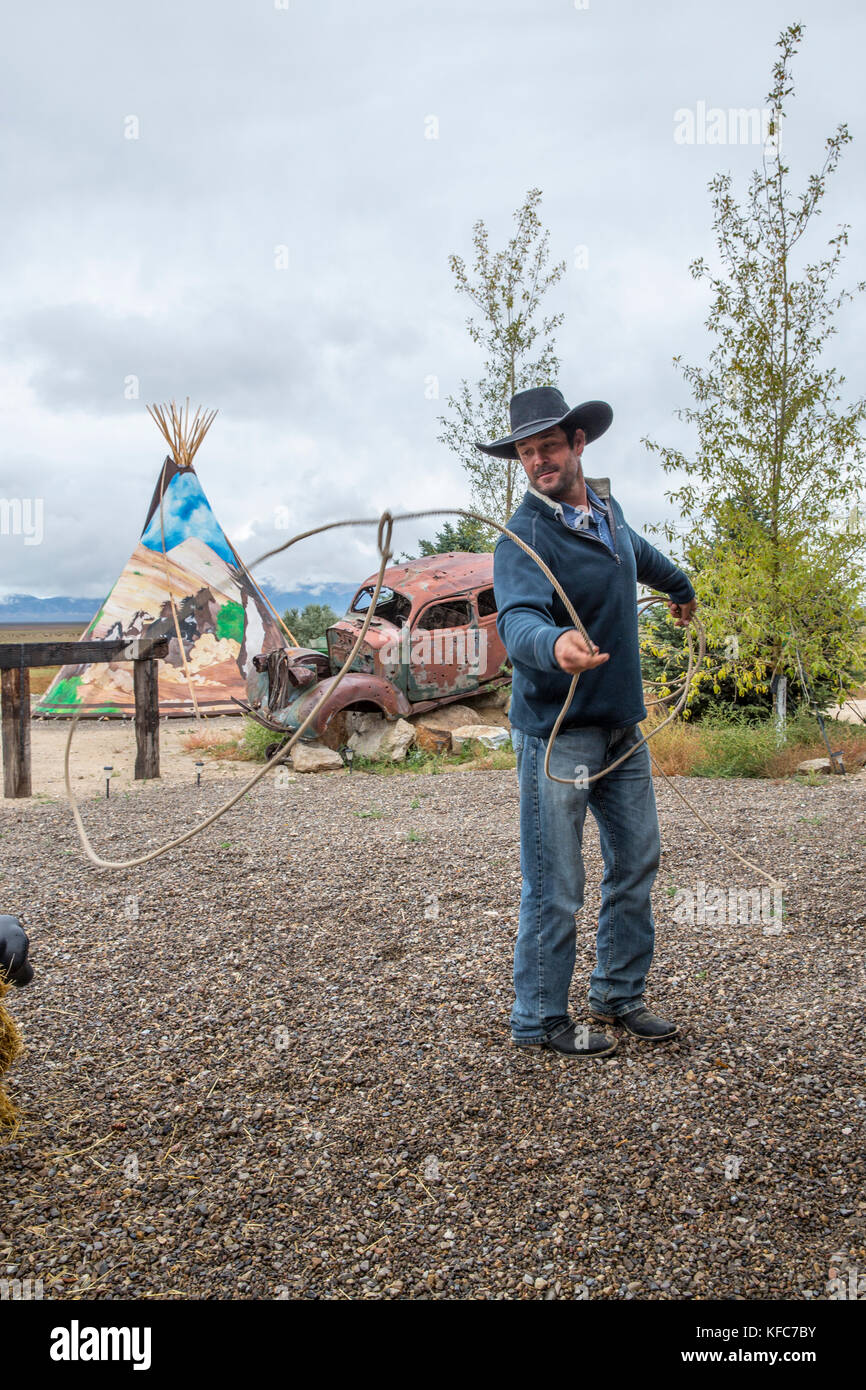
point(25, 608)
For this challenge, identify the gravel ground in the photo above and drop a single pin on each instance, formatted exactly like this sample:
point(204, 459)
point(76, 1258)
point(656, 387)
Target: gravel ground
point(278, 1062)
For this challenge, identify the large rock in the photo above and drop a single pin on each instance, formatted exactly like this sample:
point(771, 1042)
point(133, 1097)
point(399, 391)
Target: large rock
point(397, 741)
point(488, 735)
point(366, 733)
point(358, 722)
point(492, 714)
point(382, 738)
point(448, 717)
point(432, 740)
point(815, 765)
point(311, 757)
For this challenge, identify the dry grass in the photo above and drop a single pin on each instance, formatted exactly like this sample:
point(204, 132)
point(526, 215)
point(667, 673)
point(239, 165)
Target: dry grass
point(677, 748)
point(41, 632)
point(784, 762)
point(41, 676)
point(216, 745)
point(10, 1049)
point(714, 749)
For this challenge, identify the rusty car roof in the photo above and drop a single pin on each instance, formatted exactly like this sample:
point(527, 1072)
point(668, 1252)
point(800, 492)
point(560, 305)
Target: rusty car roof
point(437, 576)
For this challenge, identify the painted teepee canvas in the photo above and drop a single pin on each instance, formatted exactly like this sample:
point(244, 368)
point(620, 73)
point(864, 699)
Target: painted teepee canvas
point(184, 581)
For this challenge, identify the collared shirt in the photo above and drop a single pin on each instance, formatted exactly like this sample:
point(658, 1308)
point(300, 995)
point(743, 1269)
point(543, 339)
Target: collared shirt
point(594, 521)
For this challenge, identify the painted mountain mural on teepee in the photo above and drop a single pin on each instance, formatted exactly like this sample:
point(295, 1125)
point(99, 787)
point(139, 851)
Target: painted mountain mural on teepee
point(197, 586)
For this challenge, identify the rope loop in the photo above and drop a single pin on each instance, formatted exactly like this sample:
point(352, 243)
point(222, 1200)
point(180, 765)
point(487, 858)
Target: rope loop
point(678, 696)
point(386, 524)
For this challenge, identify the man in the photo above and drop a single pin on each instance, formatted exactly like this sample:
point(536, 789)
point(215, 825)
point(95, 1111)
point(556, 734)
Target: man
point(578, 529)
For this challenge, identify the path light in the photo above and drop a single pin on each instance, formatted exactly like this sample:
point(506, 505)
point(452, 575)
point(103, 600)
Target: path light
point(109, 769)
point(198, 774)
point(348, 755)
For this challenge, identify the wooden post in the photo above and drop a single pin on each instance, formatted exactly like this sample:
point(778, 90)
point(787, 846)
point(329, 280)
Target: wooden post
point(16, 658)
point(781, 707)
point(146, 689)
point(15, 686)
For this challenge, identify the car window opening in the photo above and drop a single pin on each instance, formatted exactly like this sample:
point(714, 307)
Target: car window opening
point(394, 607)
point(440, 615)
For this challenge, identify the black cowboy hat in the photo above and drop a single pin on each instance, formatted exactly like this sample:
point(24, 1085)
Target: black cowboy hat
point(540, 408)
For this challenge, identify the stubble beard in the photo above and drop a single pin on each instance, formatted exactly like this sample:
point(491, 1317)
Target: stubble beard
point(563, 481)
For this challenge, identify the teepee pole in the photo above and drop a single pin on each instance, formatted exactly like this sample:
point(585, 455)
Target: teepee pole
point(183, 440)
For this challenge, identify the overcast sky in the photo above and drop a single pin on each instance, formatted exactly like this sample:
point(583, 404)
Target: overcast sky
point(303, 126)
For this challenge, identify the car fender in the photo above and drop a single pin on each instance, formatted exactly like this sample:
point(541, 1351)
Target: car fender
point(353, 688)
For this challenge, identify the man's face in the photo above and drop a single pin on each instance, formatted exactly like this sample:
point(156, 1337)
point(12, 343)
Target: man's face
point(549, 463)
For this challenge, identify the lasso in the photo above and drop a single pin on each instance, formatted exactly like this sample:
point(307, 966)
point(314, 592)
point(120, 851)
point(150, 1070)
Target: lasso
point(385, 524)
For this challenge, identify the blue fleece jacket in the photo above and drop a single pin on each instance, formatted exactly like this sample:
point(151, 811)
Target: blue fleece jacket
point(602, 585)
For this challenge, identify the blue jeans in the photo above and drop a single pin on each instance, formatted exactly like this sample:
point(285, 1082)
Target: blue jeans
point(551, 837)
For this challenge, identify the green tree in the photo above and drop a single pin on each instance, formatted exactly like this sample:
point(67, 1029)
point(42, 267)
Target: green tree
point(715, 690)
point(780, 458)
point(309, 626)
point(466, 534)
point(505, 289)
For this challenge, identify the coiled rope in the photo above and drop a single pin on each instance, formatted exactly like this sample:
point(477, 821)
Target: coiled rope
point(385, 525)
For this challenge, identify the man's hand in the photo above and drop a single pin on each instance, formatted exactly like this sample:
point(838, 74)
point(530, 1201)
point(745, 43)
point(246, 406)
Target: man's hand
point(682, 611)
point(572, 653)
point(15, 968)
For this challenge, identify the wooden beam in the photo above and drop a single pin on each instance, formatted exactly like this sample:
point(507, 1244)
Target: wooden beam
point(15, 688)
point(146, 688)
point(19, 655)
point(141, 647)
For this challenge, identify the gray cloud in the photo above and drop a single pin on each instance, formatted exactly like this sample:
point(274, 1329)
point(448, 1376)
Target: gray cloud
point(305, 128)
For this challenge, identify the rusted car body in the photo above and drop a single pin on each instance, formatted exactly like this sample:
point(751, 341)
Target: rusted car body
point(432, 640)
